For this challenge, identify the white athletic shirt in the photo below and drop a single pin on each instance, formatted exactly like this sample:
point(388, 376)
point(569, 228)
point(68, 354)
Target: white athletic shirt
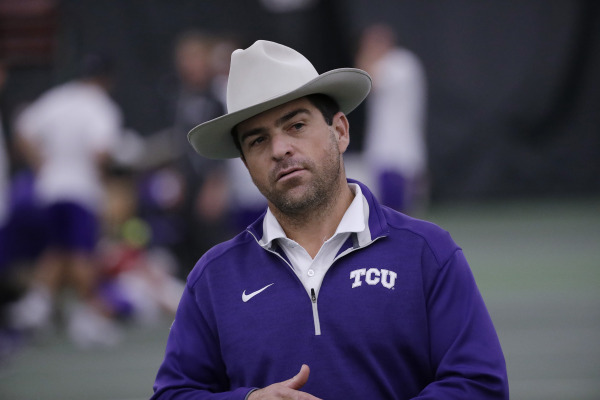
point(395, 131)
point(70, 125)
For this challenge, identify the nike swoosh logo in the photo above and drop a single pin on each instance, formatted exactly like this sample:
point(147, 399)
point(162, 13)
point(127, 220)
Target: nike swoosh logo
point(246, 297)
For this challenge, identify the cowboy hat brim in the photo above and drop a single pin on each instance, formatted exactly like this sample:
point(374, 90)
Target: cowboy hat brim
point(348, 86)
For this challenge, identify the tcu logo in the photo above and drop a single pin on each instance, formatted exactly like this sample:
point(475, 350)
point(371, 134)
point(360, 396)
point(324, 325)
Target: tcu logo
point(373, 276)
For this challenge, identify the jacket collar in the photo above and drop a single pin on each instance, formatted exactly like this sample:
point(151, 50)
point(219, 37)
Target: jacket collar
point(377, 222)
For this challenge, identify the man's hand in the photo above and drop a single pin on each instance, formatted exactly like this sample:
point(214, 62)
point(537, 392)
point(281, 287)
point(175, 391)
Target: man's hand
point(286, 390)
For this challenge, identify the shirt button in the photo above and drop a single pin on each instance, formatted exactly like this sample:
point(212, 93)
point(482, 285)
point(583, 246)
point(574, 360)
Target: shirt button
point(311, 272)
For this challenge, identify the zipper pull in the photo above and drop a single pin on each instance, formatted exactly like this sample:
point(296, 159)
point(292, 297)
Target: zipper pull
point(313, 296)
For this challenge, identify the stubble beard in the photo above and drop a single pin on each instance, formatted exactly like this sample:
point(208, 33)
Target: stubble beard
point(320, 192)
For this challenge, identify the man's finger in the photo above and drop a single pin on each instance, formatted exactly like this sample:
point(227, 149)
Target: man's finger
point(299, 380)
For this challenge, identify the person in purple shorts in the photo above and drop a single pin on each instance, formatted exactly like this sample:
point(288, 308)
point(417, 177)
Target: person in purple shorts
point(66, 136)
point(395, 150)
point(329, 294)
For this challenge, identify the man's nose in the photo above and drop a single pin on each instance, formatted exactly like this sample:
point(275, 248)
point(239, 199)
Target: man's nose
point(281, 146)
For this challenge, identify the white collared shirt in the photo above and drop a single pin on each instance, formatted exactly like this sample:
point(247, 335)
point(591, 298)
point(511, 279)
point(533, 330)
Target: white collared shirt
point(311, 271)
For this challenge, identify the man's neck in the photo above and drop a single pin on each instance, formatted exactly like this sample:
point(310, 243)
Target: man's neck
point(313, 227)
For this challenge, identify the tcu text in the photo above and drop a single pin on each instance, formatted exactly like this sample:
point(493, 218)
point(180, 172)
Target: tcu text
point(373, 276)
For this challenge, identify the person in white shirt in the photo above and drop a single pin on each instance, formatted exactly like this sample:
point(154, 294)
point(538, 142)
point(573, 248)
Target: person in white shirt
point(395, 151)
point(66, 136)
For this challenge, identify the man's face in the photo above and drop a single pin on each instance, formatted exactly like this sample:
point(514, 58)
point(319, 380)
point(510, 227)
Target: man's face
point(192, 61)
point(293, 156)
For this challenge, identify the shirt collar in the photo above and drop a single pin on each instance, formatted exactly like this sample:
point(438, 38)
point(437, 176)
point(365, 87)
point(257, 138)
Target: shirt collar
point(355, 220)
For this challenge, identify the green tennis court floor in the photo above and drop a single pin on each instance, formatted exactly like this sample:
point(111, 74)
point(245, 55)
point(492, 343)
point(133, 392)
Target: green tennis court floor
point(537, 264)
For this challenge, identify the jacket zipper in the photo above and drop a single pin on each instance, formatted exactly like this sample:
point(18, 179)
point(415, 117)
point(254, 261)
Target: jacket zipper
point(313, 298)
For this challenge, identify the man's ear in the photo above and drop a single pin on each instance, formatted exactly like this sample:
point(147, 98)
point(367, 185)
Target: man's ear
point(341, 127)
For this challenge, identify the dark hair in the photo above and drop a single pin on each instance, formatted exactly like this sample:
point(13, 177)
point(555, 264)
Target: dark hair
point(324, 103)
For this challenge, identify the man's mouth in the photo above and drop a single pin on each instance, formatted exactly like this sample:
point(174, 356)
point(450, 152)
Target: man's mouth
point(282, 174)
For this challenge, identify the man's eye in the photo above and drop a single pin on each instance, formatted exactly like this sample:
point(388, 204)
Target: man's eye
point(297, 126)
point(256, 141)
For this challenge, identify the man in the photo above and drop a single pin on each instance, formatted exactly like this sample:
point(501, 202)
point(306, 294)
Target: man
point(394, 145)
point(201, 213)
point(67, 136)
point(372, 303)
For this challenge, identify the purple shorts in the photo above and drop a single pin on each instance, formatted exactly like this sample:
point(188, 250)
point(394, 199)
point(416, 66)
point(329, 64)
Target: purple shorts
point(71, 227)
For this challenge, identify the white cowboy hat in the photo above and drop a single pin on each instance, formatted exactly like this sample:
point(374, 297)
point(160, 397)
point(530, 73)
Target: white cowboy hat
point(266, 75)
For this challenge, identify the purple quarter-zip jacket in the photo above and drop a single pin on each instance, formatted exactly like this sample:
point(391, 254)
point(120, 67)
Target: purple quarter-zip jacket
point(398, 316)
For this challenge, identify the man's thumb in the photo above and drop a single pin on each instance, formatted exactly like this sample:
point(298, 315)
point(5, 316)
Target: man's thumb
point(300, 379)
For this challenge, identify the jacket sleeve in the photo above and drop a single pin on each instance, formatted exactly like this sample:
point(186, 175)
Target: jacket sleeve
point(466, 356)
point(192, 367)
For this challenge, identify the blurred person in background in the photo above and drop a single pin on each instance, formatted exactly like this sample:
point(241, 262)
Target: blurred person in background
point(138, 279)
point(66, 136)
point(377, 304)
point(4, 164)
point(395, 150)
point(196, 201)
point(22, 237)
point(5, 345)
point(6, 284)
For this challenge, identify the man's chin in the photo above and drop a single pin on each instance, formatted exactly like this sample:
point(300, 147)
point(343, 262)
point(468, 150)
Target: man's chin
point(293, 200)
point(294, 195)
